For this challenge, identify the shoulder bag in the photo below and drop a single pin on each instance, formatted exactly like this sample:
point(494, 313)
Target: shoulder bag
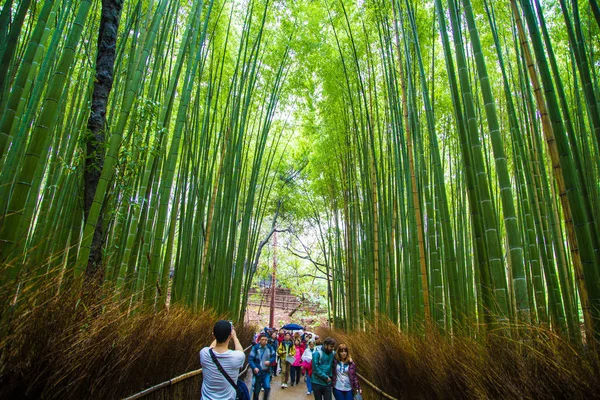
point(241, 390)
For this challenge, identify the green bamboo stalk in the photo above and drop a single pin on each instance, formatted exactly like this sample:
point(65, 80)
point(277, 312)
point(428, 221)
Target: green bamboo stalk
point(10, 46)
point(483, 271)
point(510, 218)
point(36, 44)
point(114, 144)
point(578, 232)
point(167, 179)
point(37, 148)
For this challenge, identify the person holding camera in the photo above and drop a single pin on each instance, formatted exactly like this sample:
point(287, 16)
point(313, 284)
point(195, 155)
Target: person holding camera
point(261, 357)
point(215, 385)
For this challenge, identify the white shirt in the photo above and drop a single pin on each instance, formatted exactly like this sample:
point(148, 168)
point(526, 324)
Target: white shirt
point(214, 385)
point(308, 354)
point(342, 382)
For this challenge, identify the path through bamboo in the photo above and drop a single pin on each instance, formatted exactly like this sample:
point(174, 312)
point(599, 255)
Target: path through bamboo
point(297, 392)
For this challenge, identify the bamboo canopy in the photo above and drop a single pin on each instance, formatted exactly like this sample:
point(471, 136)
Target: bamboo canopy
point(448, 152)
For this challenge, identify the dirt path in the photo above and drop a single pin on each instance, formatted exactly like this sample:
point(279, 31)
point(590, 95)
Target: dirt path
point(290, 393)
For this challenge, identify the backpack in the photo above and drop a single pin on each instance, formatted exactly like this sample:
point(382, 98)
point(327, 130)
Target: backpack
point(320, 356)
point(321, 362)
point(241, 389)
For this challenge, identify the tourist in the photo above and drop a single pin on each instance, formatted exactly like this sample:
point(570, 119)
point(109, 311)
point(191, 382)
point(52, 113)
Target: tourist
point(345, 381)
point(307, 364)
point(260, 359)
point(322, 373)
point(215, 385)
point(302, 344)
point(297, 364)
point(318, 343)
point(274, 345)
point(287, 354)
point(281, 336)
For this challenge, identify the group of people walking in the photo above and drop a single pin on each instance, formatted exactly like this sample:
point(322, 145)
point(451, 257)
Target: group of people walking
point(327, 367)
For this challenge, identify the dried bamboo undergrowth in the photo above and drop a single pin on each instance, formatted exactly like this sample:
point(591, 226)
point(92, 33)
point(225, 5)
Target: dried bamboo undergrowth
point(438, 367)
point(57, 347)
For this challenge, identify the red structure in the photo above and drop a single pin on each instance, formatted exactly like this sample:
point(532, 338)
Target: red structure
point(273, 282)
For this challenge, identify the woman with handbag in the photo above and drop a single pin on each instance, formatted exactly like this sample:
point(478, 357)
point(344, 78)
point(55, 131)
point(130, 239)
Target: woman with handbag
point(345, 380)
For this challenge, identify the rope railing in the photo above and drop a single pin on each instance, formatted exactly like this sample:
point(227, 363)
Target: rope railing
point(375, 388)
point(175, 380)
point(196, 372)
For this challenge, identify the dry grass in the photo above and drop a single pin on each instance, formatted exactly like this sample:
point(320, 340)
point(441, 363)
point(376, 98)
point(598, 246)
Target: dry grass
point(437, 367)
point(54, 347)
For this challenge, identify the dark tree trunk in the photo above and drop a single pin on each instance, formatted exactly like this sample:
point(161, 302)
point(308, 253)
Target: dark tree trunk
point(95, 141)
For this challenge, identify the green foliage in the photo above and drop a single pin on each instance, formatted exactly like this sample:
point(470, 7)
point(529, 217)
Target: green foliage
point(341, 118)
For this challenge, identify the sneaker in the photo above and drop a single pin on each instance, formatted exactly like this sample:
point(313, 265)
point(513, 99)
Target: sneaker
point(262, 389)
point(292, 384)
point(308, 392)
point(284, 385)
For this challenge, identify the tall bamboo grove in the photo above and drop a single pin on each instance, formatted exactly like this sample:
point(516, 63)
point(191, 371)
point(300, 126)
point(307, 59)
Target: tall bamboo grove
point(467, 179)
point(455, 145)
point(189, 152)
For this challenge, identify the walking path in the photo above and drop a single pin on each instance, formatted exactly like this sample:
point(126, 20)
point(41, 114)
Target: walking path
point(278, 393)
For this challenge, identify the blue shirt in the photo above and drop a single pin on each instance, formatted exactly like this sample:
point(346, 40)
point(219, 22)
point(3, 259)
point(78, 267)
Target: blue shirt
point(259, 355)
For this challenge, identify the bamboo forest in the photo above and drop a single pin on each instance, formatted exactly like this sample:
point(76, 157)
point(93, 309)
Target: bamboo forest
point(424, 174)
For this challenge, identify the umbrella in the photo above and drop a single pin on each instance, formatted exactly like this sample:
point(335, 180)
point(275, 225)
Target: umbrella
point(293, 327)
